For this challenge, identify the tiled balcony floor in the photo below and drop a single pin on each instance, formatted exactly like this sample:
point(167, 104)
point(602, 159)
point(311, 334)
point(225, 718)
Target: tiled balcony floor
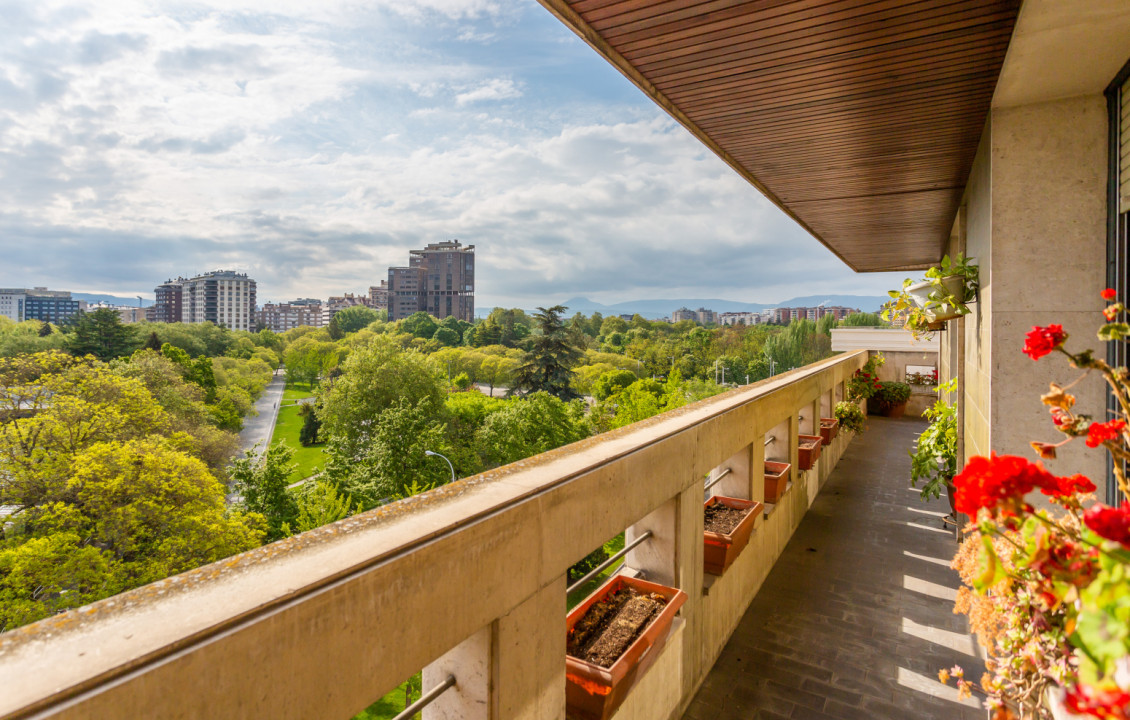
point(856, 618)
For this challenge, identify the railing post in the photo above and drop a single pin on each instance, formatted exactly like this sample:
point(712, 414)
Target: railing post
point(469, 662)
point(528, 658)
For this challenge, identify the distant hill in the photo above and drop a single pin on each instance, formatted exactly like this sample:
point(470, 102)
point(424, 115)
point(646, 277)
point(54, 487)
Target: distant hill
point(112, 299)
point(655, 309)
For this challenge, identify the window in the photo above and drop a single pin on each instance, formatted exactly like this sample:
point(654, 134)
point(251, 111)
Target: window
point(1118, 220)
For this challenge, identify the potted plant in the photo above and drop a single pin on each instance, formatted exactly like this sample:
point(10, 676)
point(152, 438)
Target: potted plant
point(924, 306)
point(864, 383)
point(776, 480)
point(728, 523)
point(829, 429)
point(933, 461)
point(808, 450)
point(890, 399)
point(612, 639)
point(850, 416)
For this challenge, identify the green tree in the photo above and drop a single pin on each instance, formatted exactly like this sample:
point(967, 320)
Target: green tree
point(446, 336)
point(45, 330)
point(528, 426)
point(153, 342)
point(355, 318)
point(334, 329)
point(319, 503)
point(375, 378)
point(420, 324)
point(311, 425)
point(611, 383)
point(101, 334)
point(261, 479)
point(547, 365)
point(392, 459)
point(863, 320)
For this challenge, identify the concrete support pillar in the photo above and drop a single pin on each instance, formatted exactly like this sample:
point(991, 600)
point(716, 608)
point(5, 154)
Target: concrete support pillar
point(528, 658)
point(737, 483)
point(469, 662)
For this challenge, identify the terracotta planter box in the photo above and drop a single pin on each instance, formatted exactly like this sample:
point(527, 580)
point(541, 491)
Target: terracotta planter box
point(829, 429)
point(877, 407)
point(776, 478)
point(721, 549)
point(593, 692)
point(808, 450)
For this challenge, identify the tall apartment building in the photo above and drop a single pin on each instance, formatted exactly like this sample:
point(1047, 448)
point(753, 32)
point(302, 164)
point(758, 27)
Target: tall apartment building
point(683, 314)
point(38, 303)
point(222, 297)
point(378, 296)
point(440, 279)
point(170, 301)
point(280, 317)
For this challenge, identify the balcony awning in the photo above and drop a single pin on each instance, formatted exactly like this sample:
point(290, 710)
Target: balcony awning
point(858, 118)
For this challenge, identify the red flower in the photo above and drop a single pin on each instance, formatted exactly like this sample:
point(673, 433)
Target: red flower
point(1042, 340)
point(1067, 486)
point(1099, 433)
point(1110, 523)
point(1109, 294)
point(1110, 312)
point(999, 483)
point(1107, 703)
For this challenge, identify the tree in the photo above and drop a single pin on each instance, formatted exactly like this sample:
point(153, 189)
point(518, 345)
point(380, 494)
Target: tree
point(446, 336)
point(334, 329)
point(392, 458)
point(420, 324)
point(547, 365)
point(528, 426)
point(611, 383)
point(311, 425)
point(45, 330)
point(462, 382)
point(261, 479)
point(375, 378)
point(153, 342)
point(355, 318)
point(308, 358)
point(101, 334)
point(319, 503)
point(862, 320)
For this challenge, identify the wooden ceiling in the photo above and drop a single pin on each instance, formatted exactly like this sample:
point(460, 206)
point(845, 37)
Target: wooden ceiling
point(859, 118)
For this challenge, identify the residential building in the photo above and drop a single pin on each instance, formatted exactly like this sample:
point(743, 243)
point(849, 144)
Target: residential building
point(169, 305)
point(440, 279)
point(12, 302)
point(280, 317)
point(223, 297)
point(337, 303)
point(128, 313)
point(378, 296)
point(739, 318)
point(54, 306)
point(683, 314)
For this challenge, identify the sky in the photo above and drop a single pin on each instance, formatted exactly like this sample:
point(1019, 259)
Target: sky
point(313, 144)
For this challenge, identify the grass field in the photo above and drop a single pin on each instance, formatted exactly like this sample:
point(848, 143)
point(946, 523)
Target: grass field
point(387, 707)
point(296, 391)
point(287, 427)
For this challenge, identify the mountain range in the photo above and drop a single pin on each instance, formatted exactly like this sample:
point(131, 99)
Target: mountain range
point(656, 309)
point(112, 299)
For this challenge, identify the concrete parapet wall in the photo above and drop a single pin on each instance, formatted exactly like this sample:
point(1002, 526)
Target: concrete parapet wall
point(468, 579)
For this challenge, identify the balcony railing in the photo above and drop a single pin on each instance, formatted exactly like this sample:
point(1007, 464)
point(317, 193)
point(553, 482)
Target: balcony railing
point(467, 581)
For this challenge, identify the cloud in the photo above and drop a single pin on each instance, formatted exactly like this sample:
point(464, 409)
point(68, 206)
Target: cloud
point(496, 89)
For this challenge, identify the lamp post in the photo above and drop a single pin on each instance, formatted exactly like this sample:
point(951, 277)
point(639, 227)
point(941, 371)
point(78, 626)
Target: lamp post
point(429, 453)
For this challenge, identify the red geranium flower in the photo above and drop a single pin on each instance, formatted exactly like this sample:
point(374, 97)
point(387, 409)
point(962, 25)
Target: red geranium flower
point(999, 483)
point(1099, 433)
point(1108, 704)
point(1042, 340)
point(1110, 523)
point(1066, 486)
point(1109, 294)
point(1111, 312)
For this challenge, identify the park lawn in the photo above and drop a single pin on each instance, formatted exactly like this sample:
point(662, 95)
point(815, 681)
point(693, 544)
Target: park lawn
point(390, 705)
point(296, 391)
point(308, 459)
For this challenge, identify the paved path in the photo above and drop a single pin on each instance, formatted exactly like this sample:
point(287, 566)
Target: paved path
point(259, 428)
point(856, 618)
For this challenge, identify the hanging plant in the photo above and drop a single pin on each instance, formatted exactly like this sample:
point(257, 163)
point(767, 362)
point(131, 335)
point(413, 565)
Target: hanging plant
point(924, 306)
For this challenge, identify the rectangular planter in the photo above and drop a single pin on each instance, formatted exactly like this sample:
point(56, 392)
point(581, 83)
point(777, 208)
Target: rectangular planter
point(808, 450)
point(593, 692)
point(829, 429)
point(776, 478)
point(721, 549)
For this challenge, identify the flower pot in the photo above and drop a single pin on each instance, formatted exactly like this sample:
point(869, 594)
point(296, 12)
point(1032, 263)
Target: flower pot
point(593, 692)
point(829, 429)
point(808, 450)
point(893, 411)
point(776, 479)
point(920, 292)
point(721, 549)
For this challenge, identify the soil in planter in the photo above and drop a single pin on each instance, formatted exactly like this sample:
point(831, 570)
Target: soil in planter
point(612, 624)
point(723, 518)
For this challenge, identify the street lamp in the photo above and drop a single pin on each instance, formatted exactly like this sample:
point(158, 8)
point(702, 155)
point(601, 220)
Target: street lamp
point(429, 453)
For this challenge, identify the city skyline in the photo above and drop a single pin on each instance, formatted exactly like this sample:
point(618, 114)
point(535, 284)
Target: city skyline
point(314, 147)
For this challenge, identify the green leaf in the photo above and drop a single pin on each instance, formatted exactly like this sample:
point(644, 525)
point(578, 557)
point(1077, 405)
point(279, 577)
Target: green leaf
point(1114, 331)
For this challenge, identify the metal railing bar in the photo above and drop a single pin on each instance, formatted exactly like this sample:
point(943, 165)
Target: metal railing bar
point(427, 699)
point(607, 563)
point(770, 439)
point(721, 475)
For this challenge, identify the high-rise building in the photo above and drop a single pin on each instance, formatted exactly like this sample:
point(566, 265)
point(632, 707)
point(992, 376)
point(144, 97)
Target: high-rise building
point(222, 297)
point(169, 305)
point(378, 296)
point(38, 303)
point(439, 279)
point(280, 317)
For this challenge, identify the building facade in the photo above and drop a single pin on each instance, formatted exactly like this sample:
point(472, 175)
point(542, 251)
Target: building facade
point(280, 317)
point(378, 296)
point(440, 279)
point(53, 306)
point(12, 302)
point(169, 305)
point(223, 297)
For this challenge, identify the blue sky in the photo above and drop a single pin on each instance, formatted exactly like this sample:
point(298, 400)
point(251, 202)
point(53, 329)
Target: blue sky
point(313, 144)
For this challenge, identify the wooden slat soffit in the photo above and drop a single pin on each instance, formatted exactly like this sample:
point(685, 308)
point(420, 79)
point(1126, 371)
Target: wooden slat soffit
point(859, 118)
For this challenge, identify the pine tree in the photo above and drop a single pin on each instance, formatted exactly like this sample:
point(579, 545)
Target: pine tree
point(548, 365)
point(153, 343)
point(102, 334)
